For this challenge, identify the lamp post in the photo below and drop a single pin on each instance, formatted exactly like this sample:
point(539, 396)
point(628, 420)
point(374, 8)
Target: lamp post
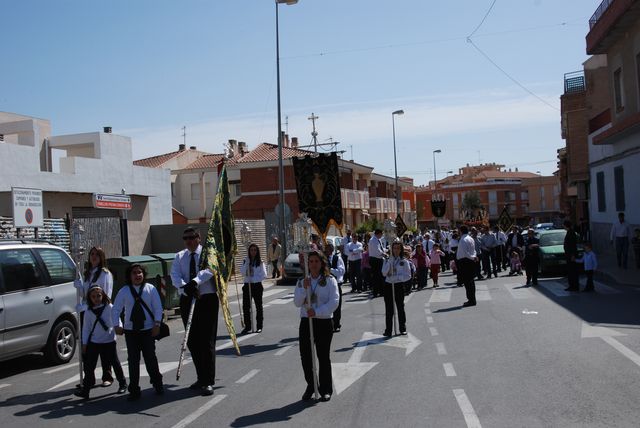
point(390, 236)
point(434, 167)
point(283, 232)
point(395, 160)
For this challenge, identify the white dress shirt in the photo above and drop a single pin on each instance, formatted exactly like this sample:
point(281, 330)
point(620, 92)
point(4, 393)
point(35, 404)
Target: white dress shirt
point(427, 244)
point(620, 230)
point(338, 271)
point(124, 300)
point(376, 250)
point(104, 281)
point(253, 274)
point(396, 270)
point(501, 237)
point(354, 251)
point(100, 335)
point(466, 248)
point(180, 273)
point(326, 300)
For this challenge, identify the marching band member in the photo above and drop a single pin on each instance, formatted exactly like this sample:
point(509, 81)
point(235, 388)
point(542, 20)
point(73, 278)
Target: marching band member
point(324, 300)
point(397, 272)
point(253, 271)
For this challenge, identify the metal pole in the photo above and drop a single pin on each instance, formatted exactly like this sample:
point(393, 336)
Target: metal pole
point(283, 233)
point(434, 171)
point(395, 163)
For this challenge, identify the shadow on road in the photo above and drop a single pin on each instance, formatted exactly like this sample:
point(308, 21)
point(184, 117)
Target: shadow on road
point(24, 364)
point(280, 414)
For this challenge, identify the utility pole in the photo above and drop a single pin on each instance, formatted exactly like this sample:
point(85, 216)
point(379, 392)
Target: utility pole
point(314, 133)
point(351, 147)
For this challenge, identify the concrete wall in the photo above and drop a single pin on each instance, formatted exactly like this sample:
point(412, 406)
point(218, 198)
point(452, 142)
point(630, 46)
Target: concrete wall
point(623, 55)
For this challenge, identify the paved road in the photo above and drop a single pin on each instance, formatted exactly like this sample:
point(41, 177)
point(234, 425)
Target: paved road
point(524, 357)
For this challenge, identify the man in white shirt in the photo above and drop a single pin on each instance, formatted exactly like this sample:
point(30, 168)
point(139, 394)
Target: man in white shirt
point(376, 258)
point(336, 266)
point(467, 258)
point(343, 253)
point(354, 251)
point(621, 233)
point(427, 243)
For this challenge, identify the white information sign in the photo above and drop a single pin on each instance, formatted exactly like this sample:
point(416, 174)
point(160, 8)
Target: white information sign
point(27, 207)
point(107, 201)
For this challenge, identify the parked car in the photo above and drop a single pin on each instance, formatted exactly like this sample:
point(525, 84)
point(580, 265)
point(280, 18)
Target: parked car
point(292, 267)
point(37, 301)
point(544, 226)
point(552, 257)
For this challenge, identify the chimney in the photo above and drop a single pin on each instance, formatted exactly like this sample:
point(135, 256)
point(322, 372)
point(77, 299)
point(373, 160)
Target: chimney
point(192, 147)
point(516, 169)
point(242, 148)
point(1, 137)
point(106, 129)
point(233, 145)
point(294, 142)
point(182, 147)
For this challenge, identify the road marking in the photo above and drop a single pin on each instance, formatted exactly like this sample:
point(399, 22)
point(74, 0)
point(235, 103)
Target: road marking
point(429, 320)
point(65, 367)
point(180, 332)
point(518, 293)
point(442, 295)
point(469, 414)
point(433, 331)
point(427, 310)
point(200, 411)
point(248, 376)
point(272, 292)
point(266, 306)
point(622, 349)
point(281, 351)
point(229, 343)
point(605, 289)
point(441, 349)
point(407, 298)
point(449, 370)
point(283, 300)
point(607, 334)
point(4, 385)
point(556, 288)
point(345, 374)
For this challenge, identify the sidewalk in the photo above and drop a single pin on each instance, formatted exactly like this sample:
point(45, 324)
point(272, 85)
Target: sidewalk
point(608, 270)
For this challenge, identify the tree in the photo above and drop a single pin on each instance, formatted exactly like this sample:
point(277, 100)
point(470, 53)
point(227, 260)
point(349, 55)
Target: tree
point(471, 201)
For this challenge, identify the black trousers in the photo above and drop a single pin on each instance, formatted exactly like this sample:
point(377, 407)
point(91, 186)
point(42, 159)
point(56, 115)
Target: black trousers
point(467, 269)
point(202, 336)
point(256, 295)
point(345, 259)
point(275, 273)
point(487, 258)
point(355, 274)
point(532, 265)
point(399, 304)
point(589, 285)
point(141, 342)
point(497, 258)
point(322, 334)
point(108, 355)
point(337, 314)
point(572, 274)
point(377, 280)
point(106, 367)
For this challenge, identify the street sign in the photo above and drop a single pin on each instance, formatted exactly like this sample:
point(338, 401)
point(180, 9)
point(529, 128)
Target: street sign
point(505, 221)
point(27, 207)
point(111, 202)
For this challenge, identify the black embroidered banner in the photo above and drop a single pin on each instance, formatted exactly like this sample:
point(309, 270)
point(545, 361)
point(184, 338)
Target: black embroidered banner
point(438, 207)
point(401, 227)
point(318, 187)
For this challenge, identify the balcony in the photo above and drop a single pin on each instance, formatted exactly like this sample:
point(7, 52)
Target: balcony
point(354, 199)
point(382, 205)
point(609, 23)
point(574, 82)
point(599, 12)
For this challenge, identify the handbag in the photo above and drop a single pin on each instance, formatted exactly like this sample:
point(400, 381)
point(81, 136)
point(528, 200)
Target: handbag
point(164, 328)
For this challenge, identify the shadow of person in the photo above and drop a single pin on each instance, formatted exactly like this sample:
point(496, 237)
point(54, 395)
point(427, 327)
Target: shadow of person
point(24, 364)
point(453, 308)
point(280, 414)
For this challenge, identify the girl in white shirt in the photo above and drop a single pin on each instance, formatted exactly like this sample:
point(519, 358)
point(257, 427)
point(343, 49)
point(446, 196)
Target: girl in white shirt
point(99, 338)
point(254, 271)
point(397, 272)
point(324, 300)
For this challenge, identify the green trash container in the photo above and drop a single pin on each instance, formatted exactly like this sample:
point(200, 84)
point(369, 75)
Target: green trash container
point(169, 292)
point(118, 267)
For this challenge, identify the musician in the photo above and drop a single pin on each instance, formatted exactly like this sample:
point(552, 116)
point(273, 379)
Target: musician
point(193, 283)
point(336, 266)
point(323, 289)
point(253, 270)
point(397, 271)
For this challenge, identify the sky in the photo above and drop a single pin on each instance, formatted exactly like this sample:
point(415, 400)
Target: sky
point(149, 67)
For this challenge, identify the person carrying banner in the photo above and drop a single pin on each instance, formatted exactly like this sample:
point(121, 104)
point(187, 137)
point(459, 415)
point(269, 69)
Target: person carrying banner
point(397, 271)
point(253, 271)
point(193, 283)
point(336, 267)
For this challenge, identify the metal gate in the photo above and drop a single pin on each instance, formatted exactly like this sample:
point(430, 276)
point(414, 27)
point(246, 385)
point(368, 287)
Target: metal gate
point(95, 232)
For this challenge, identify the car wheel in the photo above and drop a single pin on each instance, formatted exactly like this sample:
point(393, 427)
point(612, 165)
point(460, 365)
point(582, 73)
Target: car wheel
point(62, 343)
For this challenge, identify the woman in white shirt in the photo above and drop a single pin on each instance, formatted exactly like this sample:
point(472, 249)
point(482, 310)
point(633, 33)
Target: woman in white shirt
point(397, 272)
point(254, 271)
point(323, 289)
point(96, 273)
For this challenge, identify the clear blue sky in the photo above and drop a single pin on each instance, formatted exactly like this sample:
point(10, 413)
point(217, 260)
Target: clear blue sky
point(148, 67)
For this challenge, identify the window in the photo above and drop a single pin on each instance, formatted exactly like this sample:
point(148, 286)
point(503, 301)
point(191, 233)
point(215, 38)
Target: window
point(493, 203)
point(195, 191)
point(61, 268)
point(20, 270)
point(618, 178)
point(235, 189)
point(617, 89)
point(602, 202)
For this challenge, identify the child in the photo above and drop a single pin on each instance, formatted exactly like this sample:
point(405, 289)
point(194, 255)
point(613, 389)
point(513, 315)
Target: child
point(635, 242)
point(143, 315)
point(590, 265)
point(435, 257)
point(516, 265)
point(99, 339)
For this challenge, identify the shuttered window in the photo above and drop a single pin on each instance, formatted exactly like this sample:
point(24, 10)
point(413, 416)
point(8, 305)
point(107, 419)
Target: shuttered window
point(618, 177)
point(602, 203)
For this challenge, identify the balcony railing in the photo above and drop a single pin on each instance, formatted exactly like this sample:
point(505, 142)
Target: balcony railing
point(574, 82)
point(354, 199)
point(599, 12)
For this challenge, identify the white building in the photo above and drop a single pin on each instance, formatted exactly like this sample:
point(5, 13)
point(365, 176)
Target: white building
point(94, 162)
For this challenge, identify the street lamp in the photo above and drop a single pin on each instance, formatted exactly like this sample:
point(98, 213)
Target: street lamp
point(395, 160)
point(283, 232)
point(434, 167)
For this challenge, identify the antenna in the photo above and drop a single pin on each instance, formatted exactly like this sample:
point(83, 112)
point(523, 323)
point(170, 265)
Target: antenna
point(351, 147)
point(314, 133)
point(286, 124)
point(184, 136)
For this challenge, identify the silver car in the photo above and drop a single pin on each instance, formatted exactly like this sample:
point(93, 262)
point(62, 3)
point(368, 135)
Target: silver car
point(37, 301)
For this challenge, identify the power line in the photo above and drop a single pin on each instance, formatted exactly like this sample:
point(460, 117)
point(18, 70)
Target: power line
point(483, 19)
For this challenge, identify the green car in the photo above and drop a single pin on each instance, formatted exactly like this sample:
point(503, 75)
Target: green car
point(552, 256)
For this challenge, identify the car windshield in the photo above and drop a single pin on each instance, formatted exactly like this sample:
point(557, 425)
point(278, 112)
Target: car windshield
point(555, 238)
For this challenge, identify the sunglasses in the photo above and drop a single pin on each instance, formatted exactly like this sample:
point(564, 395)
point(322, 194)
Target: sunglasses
point(189, 238)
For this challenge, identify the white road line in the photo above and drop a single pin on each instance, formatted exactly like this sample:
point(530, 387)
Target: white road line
point(281, 351)
point(4, 385)
point(433, 331)
point(483, 295)
point(441, 349)
point(429, 320)
point(283, 300)
point(449, 370)
point(622, 349)
point(180, 332)
point(200, 411)
point(469, 414)
point(266, 306)
point(556, 288)
point(229, 343)
point(407, 298)
point(427, 310)
point(65, 367)
point(248, 376)
point(272, 292)
point(440, 296)
point(605, 289)
point(518, 293)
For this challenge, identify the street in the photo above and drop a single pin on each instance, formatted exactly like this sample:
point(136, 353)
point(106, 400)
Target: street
point(523, 357)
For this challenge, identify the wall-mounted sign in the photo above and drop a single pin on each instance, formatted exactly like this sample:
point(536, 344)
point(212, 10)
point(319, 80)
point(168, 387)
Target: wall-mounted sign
point(27, 207)
point(112, 202)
